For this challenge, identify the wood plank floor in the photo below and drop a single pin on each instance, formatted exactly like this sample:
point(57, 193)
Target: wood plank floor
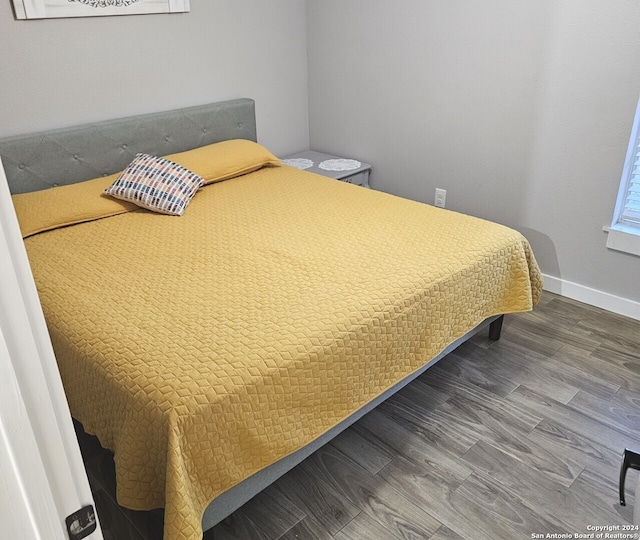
point(498, 440)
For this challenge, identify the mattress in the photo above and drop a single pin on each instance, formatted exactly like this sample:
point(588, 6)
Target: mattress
point(203, 348)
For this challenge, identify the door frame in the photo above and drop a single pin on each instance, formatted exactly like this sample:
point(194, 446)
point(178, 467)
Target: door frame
point(42, 476)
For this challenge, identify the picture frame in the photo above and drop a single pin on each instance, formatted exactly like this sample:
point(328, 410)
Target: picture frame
point(46, 9)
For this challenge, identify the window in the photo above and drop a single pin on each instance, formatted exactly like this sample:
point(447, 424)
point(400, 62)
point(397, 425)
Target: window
point(624, 234)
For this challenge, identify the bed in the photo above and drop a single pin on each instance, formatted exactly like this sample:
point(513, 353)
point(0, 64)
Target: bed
point(213, 351)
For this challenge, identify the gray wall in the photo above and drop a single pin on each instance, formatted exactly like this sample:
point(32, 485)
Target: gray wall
point(61, 72)
point(521, 110)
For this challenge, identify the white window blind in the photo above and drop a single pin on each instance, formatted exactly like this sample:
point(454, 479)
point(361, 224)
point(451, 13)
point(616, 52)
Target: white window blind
point(627, 211)
point(631, 206)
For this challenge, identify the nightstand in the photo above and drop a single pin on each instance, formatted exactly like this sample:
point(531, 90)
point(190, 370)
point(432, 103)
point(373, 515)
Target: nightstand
point(358, 175)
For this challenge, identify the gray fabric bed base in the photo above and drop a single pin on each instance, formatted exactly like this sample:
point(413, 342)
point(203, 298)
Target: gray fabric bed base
point(231, 500)
point(76, 154)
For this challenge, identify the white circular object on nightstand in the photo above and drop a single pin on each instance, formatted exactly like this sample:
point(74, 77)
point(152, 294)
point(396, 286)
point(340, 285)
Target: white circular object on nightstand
point(298, 163)
point(339, 164)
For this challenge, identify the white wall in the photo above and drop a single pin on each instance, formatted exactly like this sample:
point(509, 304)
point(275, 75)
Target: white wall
point(61, 72)
point(521, 110)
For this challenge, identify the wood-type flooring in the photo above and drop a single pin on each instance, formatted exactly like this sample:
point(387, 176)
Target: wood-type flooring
point(499, 440)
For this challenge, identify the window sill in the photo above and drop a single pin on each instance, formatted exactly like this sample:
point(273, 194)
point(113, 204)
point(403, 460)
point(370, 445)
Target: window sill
point(623, 238)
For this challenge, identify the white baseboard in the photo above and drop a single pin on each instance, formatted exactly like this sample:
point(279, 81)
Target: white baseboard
point(593, 297)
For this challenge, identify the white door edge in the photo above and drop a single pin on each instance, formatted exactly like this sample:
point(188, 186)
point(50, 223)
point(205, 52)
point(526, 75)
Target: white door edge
point(42, 476)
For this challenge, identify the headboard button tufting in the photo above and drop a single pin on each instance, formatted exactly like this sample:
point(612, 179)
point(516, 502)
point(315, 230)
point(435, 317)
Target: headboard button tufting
point(80, 153)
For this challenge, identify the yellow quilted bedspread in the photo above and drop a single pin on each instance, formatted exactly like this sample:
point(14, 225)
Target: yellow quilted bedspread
point(203, 348)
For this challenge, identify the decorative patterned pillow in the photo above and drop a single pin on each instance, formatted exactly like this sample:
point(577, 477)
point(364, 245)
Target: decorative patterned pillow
point(157, 184)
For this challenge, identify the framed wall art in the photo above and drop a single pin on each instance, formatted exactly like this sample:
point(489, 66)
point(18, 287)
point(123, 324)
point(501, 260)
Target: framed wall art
point(45, 9)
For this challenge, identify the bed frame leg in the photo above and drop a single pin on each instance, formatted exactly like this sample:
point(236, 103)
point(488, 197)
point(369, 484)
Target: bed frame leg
point(495, 328)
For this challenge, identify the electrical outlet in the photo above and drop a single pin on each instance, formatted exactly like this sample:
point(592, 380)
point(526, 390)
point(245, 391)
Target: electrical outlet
point(441, 196)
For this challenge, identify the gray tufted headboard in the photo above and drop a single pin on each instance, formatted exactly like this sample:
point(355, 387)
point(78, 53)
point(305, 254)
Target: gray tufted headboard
point(66, 156)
